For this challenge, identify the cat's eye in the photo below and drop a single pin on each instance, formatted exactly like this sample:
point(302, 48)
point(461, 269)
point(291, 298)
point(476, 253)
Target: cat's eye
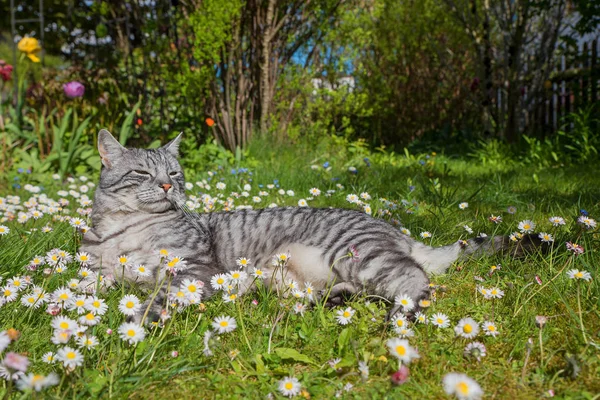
point(141, 172)
point(173, 173)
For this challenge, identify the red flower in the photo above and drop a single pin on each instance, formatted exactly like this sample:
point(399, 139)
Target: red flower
point(5, 71)
point(139, 122)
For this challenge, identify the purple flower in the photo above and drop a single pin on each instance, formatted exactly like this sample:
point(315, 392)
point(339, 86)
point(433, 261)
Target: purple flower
point(74, 89)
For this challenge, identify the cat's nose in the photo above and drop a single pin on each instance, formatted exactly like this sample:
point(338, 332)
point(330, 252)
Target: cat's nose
point(166, 186)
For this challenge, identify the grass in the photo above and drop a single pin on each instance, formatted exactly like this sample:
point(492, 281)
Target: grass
point(272, 342)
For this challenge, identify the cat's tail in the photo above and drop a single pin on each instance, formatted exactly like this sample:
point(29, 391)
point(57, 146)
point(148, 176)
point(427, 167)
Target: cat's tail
point(437, 260)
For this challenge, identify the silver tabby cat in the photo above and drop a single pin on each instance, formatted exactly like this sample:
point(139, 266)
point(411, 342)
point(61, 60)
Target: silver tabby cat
point(139, 208)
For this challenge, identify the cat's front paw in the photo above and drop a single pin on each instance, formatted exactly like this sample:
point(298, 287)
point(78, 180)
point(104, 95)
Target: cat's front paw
point(149, 315)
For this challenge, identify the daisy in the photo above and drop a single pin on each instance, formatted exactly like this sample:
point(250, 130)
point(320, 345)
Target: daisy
point(309, 290)
point(546, 237)
point(289, 386)
point(78, 304)
point(463, 205)
point(468, 229)
point(123, 261)
point(576, 274)
point(37, 382)
point(405, 333)
point(96, 305)
point(475, 350)
point(242, 262)
point(345, 316)
point(131, 332)
point(33, 300)
point(557, 221)
point(192, 287)
point(62, 295)
point(467, 328)
point(219, 281)
point(17, 282)
point(229, 297)
point(587, 222)
point(405, 231)
point(420, 318)
point(280, 259)
point(85, 272)
point(299, 294)
point(302, 203)
point(315, 192)
point(70, 357)
point(236, 277)
point(89, 342)
point(495, 293)
point(130, 305)
point(490, 329)
point(299, 308)
point(9, 293)
point(224, 324)
point(405, 302)
point(89, 319)
point(257, 273)
point(400, 349)
point(64, 323)
point(292, 284)
point(49, 357)
point(426, 234)
point(141, 270)
point(495, 219)
point(399, 322)
point(4, 230)
point(575, 248)
point(440, 320)
point(463, 387)
point(526, 226)
point(352, 198)
point(83, 258)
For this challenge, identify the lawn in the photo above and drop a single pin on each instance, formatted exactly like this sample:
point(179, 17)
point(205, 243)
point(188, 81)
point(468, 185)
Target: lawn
point(546, 342)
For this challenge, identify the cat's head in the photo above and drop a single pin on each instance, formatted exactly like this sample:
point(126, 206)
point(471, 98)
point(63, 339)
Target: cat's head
point(138, 179)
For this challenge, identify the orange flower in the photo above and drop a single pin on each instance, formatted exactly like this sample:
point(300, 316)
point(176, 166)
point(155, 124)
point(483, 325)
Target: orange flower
point(210, 122)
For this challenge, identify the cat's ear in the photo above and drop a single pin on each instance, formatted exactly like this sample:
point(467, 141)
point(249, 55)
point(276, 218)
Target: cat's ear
point(173, 146)
point(109, 148)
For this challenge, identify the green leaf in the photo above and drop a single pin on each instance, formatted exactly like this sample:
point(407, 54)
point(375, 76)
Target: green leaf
point(291, 354)
point(127, 126)
point(344, 339)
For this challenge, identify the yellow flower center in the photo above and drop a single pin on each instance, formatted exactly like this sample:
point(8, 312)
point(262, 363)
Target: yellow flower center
point(37, 378)
point(235, 275)
point(192, 288)
point(142, 269)
point(404, 302)
point(400, 322)
point(259, 272)
point(64, 325)
point(31, 300)
point(83, 258)
point(122, 260)
point(7, 293)
point(89, 316)
point(129, 304)
point(84, 274)
point(163, 252)
point(462, 388)
point(289, 385)
point(579, 274)
point(468, 328)
point(401, 350)
point(233, 296)
point(180, 294)
point(131, 333)
point(71, 355)
point(79, 303)
point(96, 304)
point(346, 314)
point(494, 292)
point(224, 324)
point(526, 226)
point(440, 321)
point(425, 303)
point(491, 328)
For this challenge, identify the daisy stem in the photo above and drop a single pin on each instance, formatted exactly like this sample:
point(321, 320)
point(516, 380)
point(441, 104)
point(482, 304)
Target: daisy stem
point(579, 311)
point(541, 348)
point(239, 310)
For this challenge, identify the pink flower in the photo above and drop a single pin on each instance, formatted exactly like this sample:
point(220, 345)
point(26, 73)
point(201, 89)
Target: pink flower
point(400, 376)
point(16, 362)
point(575, 248)
point(74, 89)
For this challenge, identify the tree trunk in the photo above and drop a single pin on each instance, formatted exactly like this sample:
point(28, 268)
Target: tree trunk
point(265, 83)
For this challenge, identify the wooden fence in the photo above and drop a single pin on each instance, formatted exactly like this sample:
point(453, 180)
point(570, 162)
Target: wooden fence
point(573, 85)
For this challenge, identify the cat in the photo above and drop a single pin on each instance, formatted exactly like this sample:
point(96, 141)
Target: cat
point(139, 208)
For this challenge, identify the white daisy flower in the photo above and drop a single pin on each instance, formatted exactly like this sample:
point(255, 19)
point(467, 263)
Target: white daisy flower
point(463, 387)
point(219, 281)
point(96, 305)
point(546, 237)
point(64, 323)
point(289, 386)
point(440, 320)
point(131, 332)
point(490, 329)
point(526, 226)
point(576, 274)
point(70, 357)
point(403, 351)
point(130, 305)
point(405, 301)
point(344, 317)
point(463, 205)
point(467, 328)
point(224, 324)
point(557, 221)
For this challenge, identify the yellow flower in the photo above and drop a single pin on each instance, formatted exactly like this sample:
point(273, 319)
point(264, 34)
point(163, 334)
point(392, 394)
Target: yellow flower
point(31, 47)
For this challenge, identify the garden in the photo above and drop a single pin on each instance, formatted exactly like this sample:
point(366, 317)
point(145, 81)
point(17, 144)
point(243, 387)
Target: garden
point(451, 120)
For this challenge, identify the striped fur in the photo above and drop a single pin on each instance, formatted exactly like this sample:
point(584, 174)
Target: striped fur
point(134, 215)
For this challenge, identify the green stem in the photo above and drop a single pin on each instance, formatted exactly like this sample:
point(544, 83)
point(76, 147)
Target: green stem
point(579, 311)
point(239, 310)
point(541, 348)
